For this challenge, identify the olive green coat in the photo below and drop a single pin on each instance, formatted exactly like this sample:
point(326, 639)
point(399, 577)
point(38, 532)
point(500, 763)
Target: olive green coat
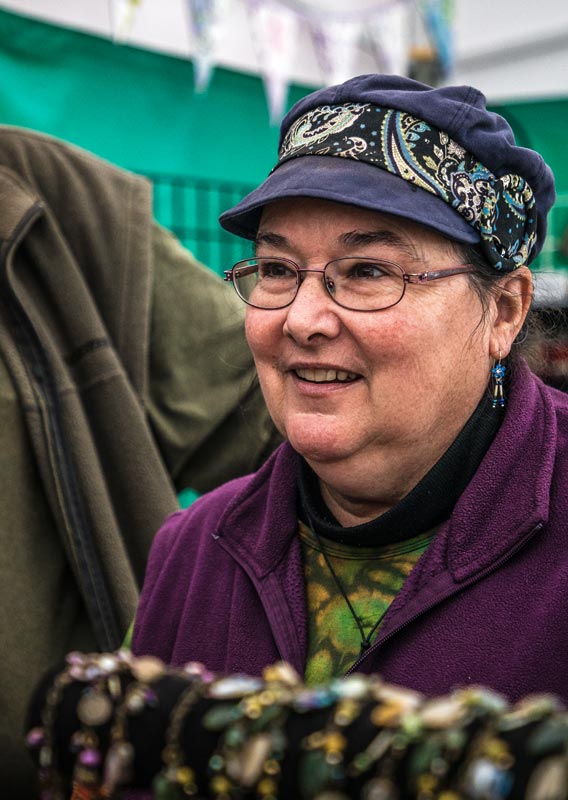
point(124, 375)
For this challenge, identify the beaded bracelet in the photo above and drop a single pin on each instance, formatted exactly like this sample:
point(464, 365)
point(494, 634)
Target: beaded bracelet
point(281, 682)
point(323, 767)
point(252, 742)
point(93, 709)
point(42, 738)
point(176, 776)
point(118, 764)
point(231, 721)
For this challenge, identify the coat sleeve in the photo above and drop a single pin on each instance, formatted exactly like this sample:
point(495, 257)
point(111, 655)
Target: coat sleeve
point(204, 401)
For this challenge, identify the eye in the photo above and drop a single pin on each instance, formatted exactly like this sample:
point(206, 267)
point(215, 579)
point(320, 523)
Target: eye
point(368, 270)
point(275, 268)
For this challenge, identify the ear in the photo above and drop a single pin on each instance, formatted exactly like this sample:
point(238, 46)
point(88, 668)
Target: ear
point(513, 297)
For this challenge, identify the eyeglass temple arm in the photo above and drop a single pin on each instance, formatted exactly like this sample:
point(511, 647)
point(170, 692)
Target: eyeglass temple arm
point(424, 277)
point(240, 272)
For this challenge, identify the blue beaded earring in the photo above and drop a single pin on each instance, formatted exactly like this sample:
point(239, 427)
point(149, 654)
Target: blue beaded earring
point(498, 372)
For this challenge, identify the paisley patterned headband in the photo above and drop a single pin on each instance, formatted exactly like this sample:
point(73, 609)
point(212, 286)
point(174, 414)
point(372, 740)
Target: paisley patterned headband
point(502, 210)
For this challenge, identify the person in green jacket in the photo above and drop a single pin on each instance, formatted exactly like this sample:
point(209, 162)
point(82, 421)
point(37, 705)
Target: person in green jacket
point(124, 377)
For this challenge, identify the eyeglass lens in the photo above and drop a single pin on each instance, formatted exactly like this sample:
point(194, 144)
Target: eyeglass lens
point(361, 284)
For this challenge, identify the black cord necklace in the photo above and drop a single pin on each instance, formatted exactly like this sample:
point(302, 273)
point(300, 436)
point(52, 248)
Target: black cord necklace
point(366, 640)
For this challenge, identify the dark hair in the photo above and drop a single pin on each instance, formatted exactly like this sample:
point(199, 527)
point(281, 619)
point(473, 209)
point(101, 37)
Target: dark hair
point(534, 332)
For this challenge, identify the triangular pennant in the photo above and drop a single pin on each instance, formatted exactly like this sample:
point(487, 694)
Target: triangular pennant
point(335, 43)
point(388, 31)
point(205, 18)
point(275, 33)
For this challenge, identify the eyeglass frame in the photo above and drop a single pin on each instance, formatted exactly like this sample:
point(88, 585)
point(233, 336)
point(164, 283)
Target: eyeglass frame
point(416, 278)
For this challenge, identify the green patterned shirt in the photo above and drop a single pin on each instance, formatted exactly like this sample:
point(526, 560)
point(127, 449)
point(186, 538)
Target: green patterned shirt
point(370, 576)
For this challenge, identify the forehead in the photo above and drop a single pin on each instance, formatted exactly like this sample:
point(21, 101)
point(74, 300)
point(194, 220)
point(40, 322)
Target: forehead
point(304, 219)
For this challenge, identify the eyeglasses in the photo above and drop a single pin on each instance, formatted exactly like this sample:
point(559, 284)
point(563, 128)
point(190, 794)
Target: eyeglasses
point(358, 284)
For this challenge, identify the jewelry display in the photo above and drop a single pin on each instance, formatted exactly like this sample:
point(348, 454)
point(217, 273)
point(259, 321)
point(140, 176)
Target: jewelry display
point(362, 738)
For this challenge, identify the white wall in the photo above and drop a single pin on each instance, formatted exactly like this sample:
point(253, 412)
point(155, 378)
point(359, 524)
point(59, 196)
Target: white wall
point(513, 48)
point(510, 49)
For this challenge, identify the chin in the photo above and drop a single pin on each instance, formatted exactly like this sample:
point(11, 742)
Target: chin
point(319, 446)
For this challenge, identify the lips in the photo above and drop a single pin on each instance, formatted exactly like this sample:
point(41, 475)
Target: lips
point(325, 375)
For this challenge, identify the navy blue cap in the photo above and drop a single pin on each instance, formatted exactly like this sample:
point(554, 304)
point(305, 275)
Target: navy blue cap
point(435, 156)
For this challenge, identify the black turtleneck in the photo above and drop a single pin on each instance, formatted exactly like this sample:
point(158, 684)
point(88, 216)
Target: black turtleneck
point(424, 507)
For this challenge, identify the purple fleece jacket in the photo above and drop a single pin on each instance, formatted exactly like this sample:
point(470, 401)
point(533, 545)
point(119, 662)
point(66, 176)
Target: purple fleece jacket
point(487, 603)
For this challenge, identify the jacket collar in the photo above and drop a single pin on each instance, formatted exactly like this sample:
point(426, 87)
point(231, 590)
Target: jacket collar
point(509, 495)
point(261, 520)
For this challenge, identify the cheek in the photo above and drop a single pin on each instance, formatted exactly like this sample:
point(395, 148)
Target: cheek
point(263, 332)
point(417, 347)
point(260, 332)
point(391, 341)
point(451, 349)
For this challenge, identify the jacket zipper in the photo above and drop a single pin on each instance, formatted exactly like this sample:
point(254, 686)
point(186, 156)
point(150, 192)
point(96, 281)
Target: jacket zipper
point(94, 589)
point(479, 576)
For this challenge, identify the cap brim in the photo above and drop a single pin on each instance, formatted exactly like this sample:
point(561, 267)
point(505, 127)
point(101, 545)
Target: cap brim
point(345, 180)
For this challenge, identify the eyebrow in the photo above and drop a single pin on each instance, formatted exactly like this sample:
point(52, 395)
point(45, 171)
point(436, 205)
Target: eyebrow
point(349, 239)
point(381, 237)
point(272, 239)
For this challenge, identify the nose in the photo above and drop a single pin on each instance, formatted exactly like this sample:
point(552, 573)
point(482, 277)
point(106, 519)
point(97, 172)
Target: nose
point(313, 313)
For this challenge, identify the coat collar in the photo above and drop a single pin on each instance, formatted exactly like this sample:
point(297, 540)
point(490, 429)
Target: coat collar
point(512, 483)
point(260, 521)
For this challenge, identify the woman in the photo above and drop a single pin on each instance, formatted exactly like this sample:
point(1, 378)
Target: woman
point(413, 524)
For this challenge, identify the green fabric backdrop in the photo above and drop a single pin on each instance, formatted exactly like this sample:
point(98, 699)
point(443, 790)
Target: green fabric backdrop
point(131, 106)
point(542, 125)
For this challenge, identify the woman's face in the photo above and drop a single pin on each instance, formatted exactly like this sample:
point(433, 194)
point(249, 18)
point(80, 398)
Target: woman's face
point(415, 372)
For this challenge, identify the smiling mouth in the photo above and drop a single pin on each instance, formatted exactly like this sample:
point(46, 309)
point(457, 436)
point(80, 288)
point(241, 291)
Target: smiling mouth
point(325, 375)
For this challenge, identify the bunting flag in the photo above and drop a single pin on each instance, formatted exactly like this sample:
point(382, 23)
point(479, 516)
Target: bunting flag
point(275, 34)
point(205, 18)
point(388, 33)
point(123, 14)
point(336, 37)
point(335, 44)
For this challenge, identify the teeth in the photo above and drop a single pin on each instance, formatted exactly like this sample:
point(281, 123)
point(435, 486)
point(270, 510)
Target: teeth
point(325, 375)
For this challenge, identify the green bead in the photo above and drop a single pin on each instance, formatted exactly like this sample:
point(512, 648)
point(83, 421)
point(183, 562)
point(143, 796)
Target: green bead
point(220, 716)
point(315, 773)
point(234, 736)
point(422, 757)
point(163, 789)
point(268, 715)
point(362, 762)
point(548, 737)
point(411, 725)
point(216, 762)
